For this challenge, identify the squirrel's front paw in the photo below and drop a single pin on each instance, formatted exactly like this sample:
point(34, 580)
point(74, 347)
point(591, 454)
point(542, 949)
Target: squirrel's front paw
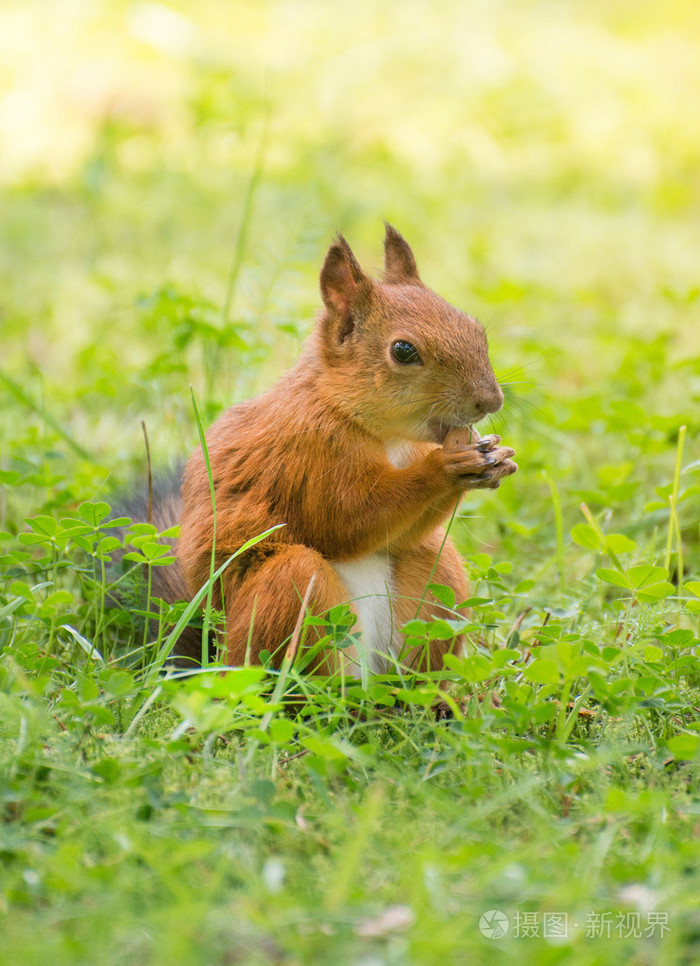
point(472, 462)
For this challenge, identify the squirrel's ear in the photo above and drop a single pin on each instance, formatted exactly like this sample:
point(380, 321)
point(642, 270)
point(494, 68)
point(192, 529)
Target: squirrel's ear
point(399, 263)
point(344, 286)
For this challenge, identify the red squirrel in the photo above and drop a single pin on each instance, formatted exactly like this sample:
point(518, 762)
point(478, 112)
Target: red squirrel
point(362, 451)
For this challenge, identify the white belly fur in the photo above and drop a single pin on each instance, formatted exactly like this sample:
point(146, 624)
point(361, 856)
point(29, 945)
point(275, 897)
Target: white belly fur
point(369, 586)
point(400, 453)
point(368, 583)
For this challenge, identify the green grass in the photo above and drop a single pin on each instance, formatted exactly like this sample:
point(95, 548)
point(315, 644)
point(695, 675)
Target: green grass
point(171, 179)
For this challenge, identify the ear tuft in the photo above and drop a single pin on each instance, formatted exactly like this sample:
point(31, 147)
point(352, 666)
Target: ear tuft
point(342, 280)
point(399, 261)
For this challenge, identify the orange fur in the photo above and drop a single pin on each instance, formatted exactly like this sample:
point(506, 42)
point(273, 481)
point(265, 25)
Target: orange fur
point(314, 453)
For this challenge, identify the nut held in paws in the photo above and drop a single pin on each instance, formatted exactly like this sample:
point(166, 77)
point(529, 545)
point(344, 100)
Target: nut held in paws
point(459, 438)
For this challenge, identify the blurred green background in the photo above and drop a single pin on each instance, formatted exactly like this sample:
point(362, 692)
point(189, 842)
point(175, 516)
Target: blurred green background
point(172, 174)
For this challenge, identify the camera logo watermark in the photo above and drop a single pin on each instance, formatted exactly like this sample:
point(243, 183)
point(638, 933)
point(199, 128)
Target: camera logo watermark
point(494, 924)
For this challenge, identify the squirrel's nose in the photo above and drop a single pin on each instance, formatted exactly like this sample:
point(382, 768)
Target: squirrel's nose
point(491, 400)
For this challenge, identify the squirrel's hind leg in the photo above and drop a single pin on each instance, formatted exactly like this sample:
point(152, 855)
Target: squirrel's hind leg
point(412, 573)
point(270, 597)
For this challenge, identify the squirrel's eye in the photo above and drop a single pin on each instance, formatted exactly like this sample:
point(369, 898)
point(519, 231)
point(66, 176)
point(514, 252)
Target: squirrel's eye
point(405, 353)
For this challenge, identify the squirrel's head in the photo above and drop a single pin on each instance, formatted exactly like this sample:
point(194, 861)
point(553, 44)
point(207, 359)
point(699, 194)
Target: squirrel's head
point(396, 356)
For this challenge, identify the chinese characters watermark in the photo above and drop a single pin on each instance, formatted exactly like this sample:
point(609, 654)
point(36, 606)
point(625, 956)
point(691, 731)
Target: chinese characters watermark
point(495, 924)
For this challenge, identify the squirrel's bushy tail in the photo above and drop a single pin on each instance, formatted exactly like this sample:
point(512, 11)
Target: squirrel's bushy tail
point(167, 583)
